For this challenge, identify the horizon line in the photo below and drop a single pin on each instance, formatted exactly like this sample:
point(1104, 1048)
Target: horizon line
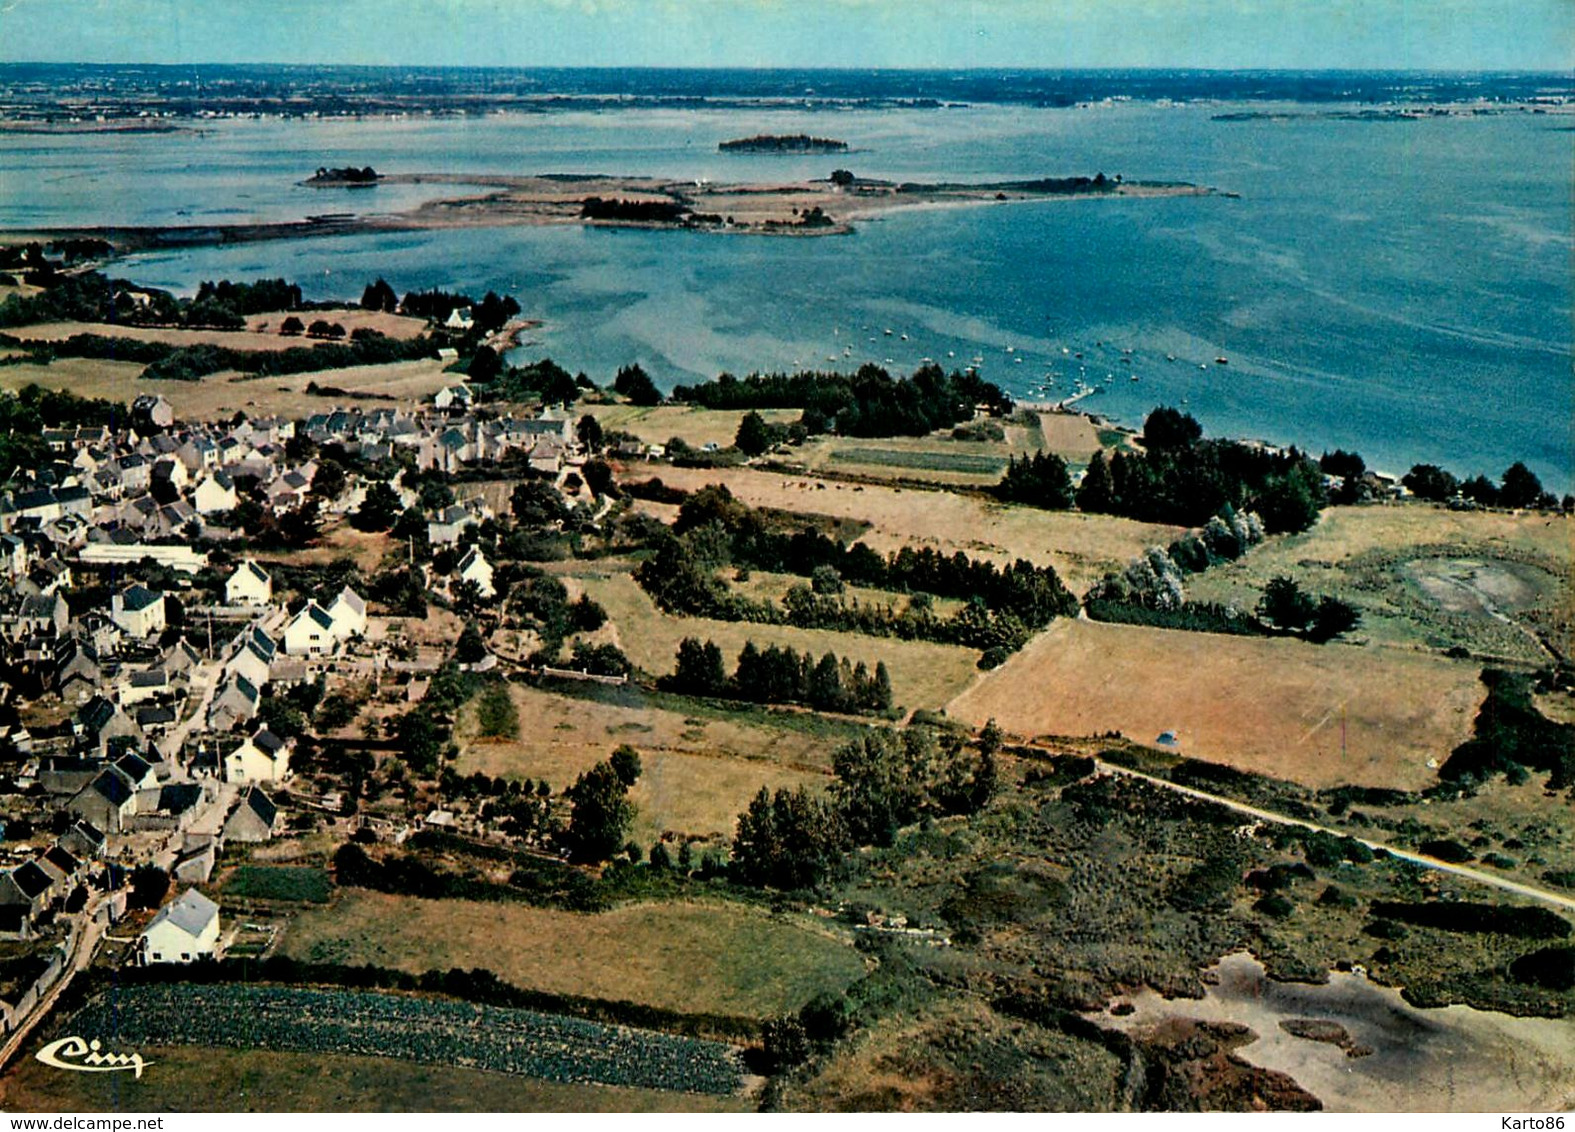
point(837, 69)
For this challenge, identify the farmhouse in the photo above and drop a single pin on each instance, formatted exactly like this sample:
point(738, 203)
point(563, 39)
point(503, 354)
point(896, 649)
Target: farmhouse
point(186, 929)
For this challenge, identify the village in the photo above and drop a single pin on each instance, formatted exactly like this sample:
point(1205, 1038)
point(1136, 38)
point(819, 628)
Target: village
point(136, 730)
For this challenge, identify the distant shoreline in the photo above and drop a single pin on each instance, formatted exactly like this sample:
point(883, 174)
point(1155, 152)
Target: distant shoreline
point(800, 208)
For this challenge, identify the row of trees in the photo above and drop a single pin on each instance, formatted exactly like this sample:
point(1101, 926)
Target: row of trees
point(780, 675)
point(1519, 487)
point(867, 403)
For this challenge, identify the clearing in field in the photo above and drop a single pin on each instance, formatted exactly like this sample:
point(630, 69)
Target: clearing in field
point(200, 1079)
point(692, 958)
point(1320, 715)
point(698, 774)
point(1423, 577)
point(405, 384)
point(923, 675)
point(1082, 548)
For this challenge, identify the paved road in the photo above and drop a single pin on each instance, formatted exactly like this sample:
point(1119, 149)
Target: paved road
point(1563, 903)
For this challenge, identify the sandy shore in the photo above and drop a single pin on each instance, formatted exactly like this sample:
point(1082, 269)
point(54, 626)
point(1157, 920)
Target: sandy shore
point(1454, 1059)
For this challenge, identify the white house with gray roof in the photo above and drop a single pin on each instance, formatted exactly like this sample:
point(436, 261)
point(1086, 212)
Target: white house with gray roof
point(185, 930)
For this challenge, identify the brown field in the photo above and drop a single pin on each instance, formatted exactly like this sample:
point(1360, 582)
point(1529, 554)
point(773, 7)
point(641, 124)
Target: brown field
point(1080, 547)
point(221, 394)
point(261, 331)
point(695, 426)
point(700, 958)
point(196, 1079)
point(697, 774)
point(1277, 707)
point(1071, 436)
point(922, 674)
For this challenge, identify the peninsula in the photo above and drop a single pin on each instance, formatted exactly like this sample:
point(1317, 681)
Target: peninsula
point(782, 208)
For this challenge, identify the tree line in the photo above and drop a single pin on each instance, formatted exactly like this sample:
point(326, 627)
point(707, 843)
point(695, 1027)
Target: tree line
point(779, 675)
point(1518, 488)
point(1180, 478)
point(192, 363)
point(867, 403)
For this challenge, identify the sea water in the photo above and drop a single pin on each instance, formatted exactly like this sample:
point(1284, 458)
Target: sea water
point(1401, 288)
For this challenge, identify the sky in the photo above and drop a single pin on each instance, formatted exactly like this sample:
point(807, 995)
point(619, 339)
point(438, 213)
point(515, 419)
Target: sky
point(1371, 34)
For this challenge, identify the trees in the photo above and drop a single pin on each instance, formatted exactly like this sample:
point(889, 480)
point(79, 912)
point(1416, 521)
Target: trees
point(496, 715)
point(485, 365)
point(1428, 481)
point(589, 430)
point(1520, 487)
point(1285, 606)
point(379, 296)
point(754, 437)
point(699, 670)
point(292, 327)
point(471, 647)
point(1040, 480)
point(1167, 428)
point(602, 814)
point(1097, 493)
point(625, 762)
point(379, 510)
point(789, 840)
point(1290, 502)
point(1332, 618)
point(633, 383)
point(149, 885)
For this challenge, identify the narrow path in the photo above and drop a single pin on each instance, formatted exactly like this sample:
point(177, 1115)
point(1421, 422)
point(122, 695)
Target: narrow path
point(84, 942)
point(1562, 903)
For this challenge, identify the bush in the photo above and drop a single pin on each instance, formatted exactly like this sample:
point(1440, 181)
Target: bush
point(1464, 916)
point(1274, 905)
point(1552, 968)
point(1446, 850)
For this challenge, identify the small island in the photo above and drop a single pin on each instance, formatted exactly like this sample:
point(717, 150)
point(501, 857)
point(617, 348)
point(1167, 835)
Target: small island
point(349, 177)
point(783, 143)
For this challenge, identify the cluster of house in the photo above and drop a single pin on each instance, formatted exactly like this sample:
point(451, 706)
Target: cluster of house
point(109, 488)
point(162, 757)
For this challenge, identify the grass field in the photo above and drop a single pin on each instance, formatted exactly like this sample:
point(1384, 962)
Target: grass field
point(1423, 577)
point(695, 426)
point(1080, 547)
point(983, 464)
point(697, 775)
point(1278, 707)
point(261, 333)
point(197, 1079)
point(922, 674)
point(764, 586)
point(221, 394)
point(701, 958)
point(279, 882)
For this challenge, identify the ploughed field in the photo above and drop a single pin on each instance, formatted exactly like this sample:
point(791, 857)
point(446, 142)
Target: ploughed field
point(702, 958)
point(519, 1042)
point(1321, 715)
